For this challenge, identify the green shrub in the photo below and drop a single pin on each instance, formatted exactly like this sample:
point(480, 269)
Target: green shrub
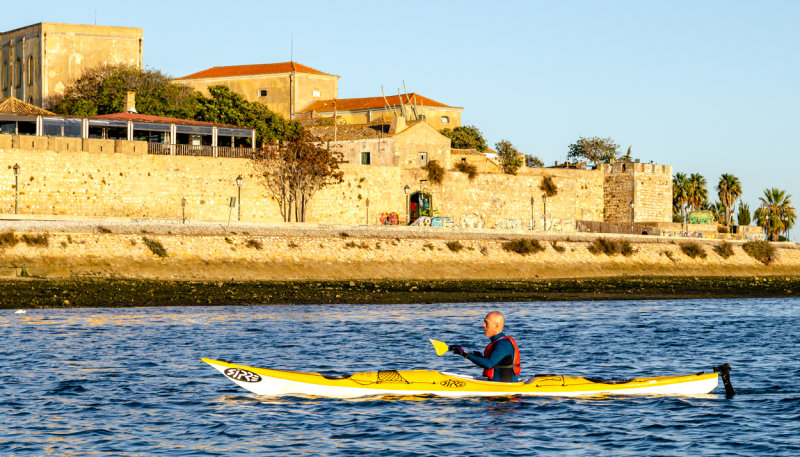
point(557, 247)
point(762, 251)
point(468, 169)
point(255, 244)
point(724, 250)
point(435, 171)
point(292, 245)
point(155, 246)
point(723, 229)
point(37, 240)
point(693, 250)
point(523, 247)
point(8, 239)
point(428, 246)
point(353, 244)
point(625, 248)
point(454, 246)
point(611, 247)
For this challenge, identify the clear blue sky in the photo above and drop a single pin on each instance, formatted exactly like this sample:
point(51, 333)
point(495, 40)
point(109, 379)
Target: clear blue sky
point(705, 86)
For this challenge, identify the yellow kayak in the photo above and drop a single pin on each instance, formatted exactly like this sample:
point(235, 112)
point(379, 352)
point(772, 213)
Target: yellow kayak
point(264, 381)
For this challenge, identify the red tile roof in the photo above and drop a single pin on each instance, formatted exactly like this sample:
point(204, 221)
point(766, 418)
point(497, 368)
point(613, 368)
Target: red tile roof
point(136, 117)
point(258, 69)
point(354, 104)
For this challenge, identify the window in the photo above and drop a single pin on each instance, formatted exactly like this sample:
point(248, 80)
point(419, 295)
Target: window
point(30, 70)
point(315, 93)
point(421, 117)
point(445, 120)
point(262, 92)
point(19, 73)
point(365, 158)
point(423, 159)
point(463, 160)
point(30, 100)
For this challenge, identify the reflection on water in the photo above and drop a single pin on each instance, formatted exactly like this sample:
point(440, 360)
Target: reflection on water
point(130, 382)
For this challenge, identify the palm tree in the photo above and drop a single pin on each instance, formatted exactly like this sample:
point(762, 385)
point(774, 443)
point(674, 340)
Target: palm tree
point(729, 190)
point(717, 210)
point(776, 214)
point(679, 196)
point(696, 192)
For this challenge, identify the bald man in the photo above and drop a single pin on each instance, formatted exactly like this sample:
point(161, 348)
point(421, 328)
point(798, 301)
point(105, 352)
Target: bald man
point(500, 360)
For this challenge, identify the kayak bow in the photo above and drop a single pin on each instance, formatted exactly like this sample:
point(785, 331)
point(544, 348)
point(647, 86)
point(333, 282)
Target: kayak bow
point(264, 381)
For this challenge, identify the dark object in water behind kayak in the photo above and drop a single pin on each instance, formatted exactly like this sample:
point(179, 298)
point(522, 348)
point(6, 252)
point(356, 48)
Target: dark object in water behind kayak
point(724, 371)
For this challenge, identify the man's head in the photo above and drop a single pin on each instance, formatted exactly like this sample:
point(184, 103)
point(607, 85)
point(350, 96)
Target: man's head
point(493, 323)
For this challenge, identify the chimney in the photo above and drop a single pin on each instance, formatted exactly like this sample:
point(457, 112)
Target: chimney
point(130, 102)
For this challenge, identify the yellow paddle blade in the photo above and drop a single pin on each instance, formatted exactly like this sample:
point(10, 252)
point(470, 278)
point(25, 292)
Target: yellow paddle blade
point(440, 346)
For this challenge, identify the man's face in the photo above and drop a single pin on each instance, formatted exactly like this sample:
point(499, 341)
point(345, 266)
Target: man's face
point(490, 326)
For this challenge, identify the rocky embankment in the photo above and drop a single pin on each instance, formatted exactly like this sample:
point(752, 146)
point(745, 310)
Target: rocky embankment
point(123, 264)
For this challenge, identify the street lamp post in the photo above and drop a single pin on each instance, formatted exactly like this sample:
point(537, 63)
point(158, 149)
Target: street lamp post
point(544, 202)
point(407, 190)
point(239, 182)
point(632, 218)
point(183, 209)
point(367, 202)
point(16, 187)
point(532, 213)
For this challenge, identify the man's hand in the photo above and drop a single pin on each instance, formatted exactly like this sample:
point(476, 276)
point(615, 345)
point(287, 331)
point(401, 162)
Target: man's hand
point(458, 350)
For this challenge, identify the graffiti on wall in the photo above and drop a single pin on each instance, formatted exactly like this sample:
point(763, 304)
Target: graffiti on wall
point(506, 224)
point(427, 221)
point(471, 220)
point(390, 218)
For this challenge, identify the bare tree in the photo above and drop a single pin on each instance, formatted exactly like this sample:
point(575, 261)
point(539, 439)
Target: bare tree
point(295, 170)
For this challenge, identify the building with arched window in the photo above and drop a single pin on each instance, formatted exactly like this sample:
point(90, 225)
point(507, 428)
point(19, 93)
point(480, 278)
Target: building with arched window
point(39, 60)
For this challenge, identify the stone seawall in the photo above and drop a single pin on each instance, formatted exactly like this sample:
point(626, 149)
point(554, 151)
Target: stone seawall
point(303, 254)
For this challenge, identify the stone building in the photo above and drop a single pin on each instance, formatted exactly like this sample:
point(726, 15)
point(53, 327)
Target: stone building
point(38, 61)
point(387, 142)
point(481, 161)
point(285, 88)
point(363, 110)
point(637, 192)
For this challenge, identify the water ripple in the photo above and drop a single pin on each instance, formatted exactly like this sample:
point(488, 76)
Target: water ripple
point(129, 382)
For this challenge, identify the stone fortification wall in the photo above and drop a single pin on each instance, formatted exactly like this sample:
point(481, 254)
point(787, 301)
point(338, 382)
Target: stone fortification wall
point(489, 201)
point(95, 182)
point(637, 192)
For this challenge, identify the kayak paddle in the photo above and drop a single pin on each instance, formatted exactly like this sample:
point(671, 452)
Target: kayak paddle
point(440, 346)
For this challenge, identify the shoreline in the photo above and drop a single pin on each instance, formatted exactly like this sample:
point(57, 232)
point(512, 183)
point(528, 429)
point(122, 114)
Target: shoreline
point(103, 264)
point(127, 293)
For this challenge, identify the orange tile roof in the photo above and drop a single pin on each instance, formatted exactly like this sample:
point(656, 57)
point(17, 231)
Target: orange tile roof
point(136, 117)
point(354, 104)
point(258, 69)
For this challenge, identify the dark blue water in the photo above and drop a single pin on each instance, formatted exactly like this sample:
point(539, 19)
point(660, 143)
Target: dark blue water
point(130, 382)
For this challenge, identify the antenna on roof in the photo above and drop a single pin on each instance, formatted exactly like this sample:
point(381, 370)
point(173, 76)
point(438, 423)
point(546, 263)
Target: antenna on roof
point(95, 17)
point(408, 100)
point(291, 49)
point(388, 106)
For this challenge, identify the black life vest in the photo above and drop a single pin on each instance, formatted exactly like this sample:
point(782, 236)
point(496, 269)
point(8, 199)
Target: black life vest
point(506, 367)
